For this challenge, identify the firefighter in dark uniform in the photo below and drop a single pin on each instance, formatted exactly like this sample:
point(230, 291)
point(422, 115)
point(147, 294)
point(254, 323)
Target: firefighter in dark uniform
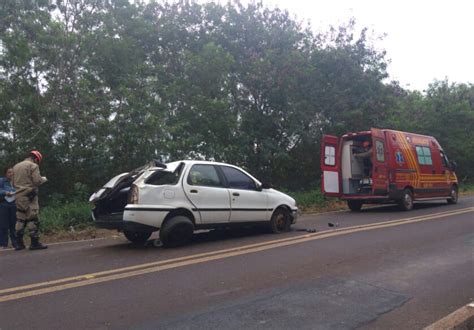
point(27, 180)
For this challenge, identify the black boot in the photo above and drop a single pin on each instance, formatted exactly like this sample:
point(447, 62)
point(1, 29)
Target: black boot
point(36, 245)
point(19, 244)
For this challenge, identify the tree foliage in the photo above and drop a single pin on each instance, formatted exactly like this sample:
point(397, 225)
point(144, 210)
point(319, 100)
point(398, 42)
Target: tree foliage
point(103, 86)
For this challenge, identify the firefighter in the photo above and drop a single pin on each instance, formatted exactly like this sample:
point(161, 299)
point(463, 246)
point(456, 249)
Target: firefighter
point(366, 156)
point(26, 182)
point(366, 152)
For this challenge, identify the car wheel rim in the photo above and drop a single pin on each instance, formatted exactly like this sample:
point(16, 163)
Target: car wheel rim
point(280, 222)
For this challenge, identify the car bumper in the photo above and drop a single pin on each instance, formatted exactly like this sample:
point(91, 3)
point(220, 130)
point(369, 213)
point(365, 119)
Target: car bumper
point(138, 227)
point(108, 221)
point(294, 215)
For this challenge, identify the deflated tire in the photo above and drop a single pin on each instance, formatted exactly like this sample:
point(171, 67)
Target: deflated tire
point(176, 231)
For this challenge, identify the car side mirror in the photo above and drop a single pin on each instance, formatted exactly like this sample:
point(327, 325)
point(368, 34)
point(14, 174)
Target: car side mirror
point(453, 165)
point(266, 185)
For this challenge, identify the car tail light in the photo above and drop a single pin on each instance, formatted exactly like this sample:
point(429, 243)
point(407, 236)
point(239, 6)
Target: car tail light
point(133, 196)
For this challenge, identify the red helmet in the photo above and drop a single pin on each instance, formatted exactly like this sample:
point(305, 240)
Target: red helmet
point(37, 155)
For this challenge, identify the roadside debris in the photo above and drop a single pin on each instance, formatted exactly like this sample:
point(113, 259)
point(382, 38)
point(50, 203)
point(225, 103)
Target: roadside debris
point(333, 225)
point(308, 230)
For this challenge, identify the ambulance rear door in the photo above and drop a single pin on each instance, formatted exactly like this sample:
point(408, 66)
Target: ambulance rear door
point(330, 166)
point(379, 161)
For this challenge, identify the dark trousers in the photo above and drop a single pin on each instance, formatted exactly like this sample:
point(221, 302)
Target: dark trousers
point(7, 223)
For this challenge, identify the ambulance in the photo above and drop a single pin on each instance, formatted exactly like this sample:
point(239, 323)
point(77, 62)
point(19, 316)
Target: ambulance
point(386, 166)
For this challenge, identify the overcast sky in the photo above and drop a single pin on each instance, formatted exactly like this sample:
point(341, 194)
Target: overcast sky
point(425, 40)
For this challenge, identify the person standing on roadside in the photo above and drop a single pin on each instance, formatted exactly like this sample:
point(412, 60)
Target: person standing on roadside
point(7, 209)
point(27, 181)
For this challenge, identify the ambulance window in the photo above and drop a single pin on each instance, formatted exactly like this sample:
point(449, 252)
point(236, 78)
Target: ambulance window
point(330, 155)
point(380, 151)
point(424, 155)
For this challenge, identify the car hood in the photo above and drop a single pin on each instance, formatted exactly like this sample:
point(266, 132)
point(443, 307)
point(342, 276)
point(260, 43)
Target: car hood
point(280, 196)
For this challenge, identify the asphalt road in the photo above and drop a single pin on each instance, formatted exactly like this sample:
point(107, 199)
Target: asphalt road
point(378, 269)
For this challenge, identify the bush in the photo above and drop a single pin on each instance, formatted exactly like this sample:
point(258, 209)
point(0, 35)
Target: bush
point(309, 199)
point(466, 187)
point(59, 216)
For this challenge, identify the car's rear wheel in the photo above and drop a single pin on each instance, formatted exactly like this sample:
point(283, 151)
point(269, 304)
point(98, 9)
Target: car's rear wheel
point(137, 237)
point(176, 231)
point(406, 202)
point(453, 196)
point(281, 221)
point(354, 205)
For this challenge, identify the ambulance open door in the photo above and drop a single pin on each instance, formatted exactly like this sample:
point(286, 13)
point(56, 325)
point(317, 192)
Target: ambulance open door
point(379, 162)
point(330, 166)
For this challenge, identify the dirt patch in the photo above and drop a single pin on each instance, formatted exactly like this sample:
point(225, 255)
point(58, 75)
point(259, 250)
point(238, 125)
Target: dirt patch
point(79, 235)
point(330, 206)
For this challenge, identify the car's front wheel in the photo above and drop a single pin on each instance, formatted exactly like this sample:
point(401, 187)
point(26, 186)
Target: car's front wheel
point(176, 231)
point(136, 237)
point(281, 221)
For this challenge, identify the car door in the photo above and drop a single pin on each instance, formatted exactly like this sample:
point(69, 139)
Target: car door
point(207, 192)
point(247, 202)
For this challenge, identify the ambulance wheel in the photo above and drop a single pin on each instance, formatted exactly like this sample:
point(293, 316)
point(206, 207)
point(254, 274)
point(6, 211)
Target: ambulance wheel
point(176, 231)
point(453, 196)
point(354, 205)
point(406, 202)
point(136, 237)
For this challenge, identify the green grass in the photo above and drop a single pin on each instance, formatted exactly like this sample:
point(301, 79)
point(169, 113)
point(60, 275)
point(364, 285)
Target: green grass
point(466, 187)
point(57, 217)
point(309, 199)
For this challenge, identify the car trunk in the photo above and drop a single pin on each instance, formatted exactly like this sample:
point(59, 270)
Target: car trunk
point(112, 206)
point(110, 201)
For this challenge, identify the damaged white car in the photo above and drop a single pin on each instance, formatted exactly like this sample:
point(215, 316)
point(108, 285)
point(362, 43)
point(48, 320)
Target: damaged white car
point(180, 197)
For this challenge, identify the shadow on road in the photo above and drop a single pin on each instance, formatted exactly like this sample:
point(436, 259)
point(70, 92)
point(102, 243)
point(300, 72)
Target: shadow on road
point(394, 208)
point(200, 238)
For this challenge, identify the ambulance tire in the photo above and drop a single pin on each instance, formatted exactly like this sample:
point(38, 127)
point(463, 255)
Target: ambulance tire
point(176, 231)
point(406, 202)
point(136, 237)
point(354, 205)
point(453, 199)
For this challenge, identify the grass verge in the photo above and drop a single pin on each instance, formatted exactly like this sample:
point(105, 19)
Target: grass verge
point(466, 189)
point(313, 201)
point(68, 216)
